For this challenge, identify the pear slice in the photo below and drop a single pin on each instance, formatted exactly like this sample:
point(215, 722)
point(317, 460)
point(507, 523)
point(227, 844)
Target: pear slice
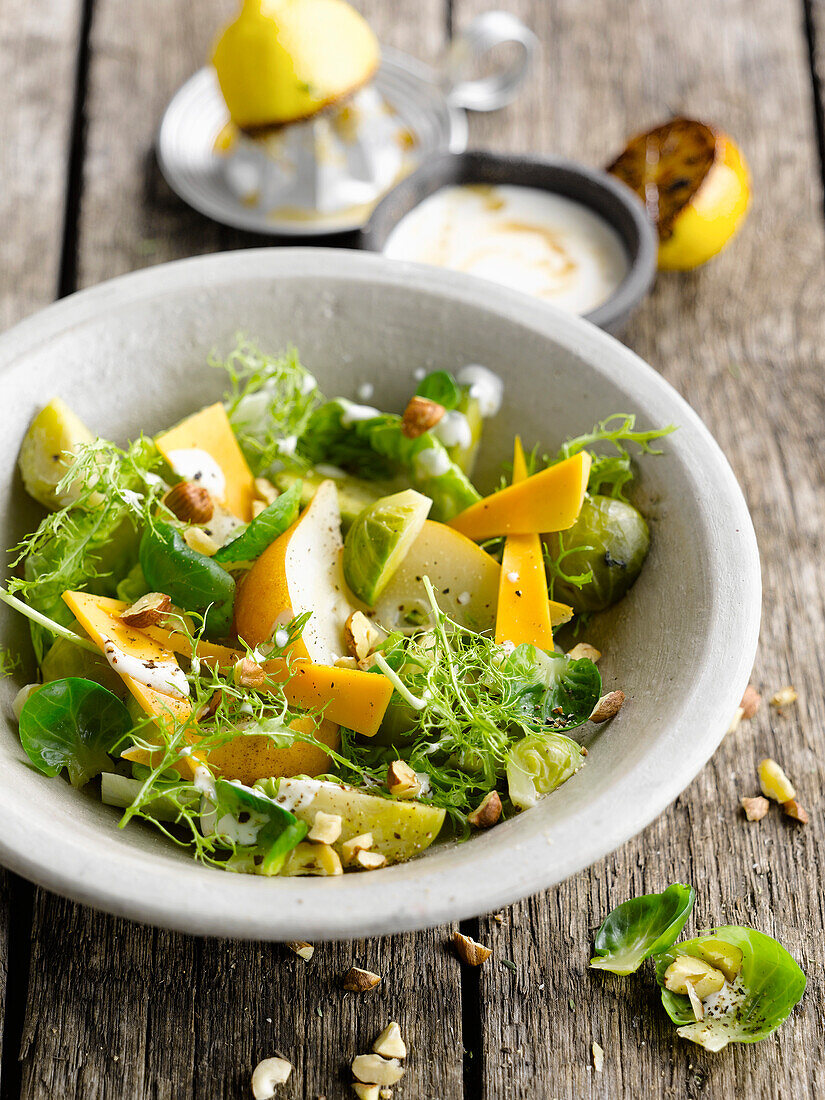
point(54, 435)
point(399, 830)
point(463, 575)
point(300, 572)
point(284, 60)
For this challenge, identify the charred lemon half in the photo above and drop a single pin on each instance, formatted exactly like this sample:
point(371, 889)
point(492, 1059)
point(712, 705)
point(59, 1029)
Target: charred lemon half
point(695, 186)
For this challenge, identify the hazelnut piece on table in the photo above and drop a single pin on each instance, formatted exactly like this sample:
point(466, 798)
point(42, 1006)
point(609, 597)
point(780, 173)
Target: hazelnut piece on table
point(267, 1075)
point(470, 951)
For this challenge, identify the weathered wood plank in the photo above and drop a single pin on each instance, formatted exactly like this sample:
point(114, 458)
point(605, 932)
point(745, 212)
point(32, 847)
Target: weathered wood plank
point(115, 1009)
point(38, 54)
point(742, 341)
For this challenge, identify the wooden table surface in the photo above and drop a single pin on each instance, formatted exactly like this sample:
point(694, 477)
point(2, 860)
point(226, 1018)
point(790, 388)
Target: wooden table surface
point(99, 1007)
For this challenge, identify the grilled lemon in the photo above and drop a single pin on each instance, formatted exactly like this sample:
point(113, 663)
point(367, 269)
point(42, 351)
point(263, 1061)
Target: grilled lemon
point(694, 183)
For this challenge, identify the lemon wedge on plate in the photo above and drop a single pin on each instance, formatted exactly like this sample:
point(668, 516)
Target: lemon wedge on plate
point(695, 186)
point(284, 60)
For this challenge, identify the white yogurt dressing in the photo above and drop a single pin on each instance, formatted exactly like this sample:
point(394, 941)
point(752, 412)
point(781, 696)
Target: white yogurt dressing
point(526, 238)
point(193, 464)
point(485, 386)
point(352, 413)
point(167, 677)
point(297, 794)
point(432, 462)
point(453, 430)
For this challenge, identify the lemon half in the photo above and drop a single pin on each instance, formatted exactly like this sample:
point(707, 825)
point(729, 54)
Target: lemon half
point(695, 186)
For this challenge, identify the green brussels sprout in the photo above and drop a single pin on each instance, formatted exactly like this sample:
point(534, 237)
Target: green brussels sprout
point(379, 539)
point(615, 539)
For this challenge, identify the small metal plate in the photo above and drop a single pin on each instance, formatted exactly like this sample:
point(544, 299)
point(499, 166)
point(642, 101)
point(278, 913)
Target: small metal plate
point(197, 115)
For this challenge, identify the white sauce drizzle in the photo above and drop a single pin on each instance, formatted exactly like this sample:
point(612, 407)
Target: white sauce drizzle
point(352, 413)
point(281, 638)
point(193, 464)
point(287, 445)
point(464, 598)
point(453, 430)
point(242, 832)
point(365, 391)
point(297, 794)
point(308, 383)
point(485, 386)
point(513, 576)
point(167, 677)
point(432, 462)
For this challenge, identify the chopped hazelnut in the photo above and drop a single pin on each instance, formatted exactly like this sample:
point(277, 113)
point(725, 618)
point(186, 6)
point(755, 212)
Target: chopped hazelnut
point(267, 1075)
point(794, 810)
point(704, 978)
point(373, 1069)
point(584, 649)
point(389, 1043)
point(755, 808)
point(200, 542)
point(190, 502)
point(370, 861)
point(248, 673)
point(608, 706)
point(774, 783)
point(695, 1001)
point(598, 1057)
point(750, 702)
point(301, 948)
point(326, 828)
point(149, 610)
point(470, 951)
point(346, 662)
point(357, 980)
point(312, 859)
point(265, 490)
point(365, 1092)
point(734, 722)
point(361, 636)
point(784, 697)
point(487, 813)
point(350, 848)
point(402, 782)
point(420, 415)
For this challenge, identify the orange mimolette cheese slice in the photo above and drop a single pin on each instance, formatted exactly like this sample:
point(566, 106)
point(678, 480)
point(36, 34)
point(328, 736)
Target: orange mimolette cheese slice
point(548, 501)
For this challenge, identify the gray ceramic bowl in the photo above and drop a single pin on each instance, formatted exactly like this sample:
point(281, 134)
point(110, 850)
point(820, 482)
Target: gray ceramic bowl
point(598, 190)
point(130, 355)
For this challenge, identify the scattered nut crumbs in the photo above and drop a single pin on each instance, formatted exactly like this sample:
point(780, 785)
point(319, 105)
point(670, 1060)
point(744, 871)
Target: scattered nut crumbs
point(301, 948)
point(267, 1075)
point(774, 783)
point(794, 810)
point(248, 673)
point(784, 697)
point(389, 1043)
point(149, 610)
point(402, 782)
point(326, 828)
point(365, 1092)
point(470, 951)
point(751, 701)
point(370, 861)
point(584, 649)
point(350, 848)
point(357, 980)
point(372, 1069)
point(598, 1058)
point(755, 808)
point(608, 706)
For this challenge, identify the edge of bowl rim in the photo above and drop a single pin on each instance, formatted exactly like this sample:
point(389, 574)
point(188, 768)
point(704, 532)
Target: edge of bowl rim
point(117, 894)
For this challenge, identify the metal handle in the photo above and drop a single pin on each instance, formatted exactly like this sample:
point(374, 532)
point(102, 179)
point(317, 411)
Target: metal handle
point(478, 39)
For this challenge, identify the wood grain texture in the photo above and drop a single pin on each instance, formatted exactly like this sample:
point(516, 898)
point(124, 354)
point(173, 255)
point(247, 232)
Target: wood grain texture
point(115, 1009)
point(38, 53)
point(741, 340)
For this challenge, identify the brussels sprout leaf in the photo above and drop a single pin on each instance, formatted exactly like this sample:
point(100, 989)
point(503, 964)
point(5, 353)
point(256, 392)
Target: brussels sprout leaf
point(642, 927)
point(749, 1008)
point(553, 690)
point(73, 724)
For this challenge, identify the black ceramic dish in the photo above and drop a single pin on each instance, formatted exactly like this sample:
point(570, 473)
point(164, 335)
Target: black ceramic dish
point(610, 198)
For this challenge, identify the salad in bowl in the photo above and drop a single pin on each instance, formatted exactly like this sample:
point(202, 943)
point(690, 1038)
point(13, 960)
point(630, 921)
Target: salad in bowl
point(291, 634)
